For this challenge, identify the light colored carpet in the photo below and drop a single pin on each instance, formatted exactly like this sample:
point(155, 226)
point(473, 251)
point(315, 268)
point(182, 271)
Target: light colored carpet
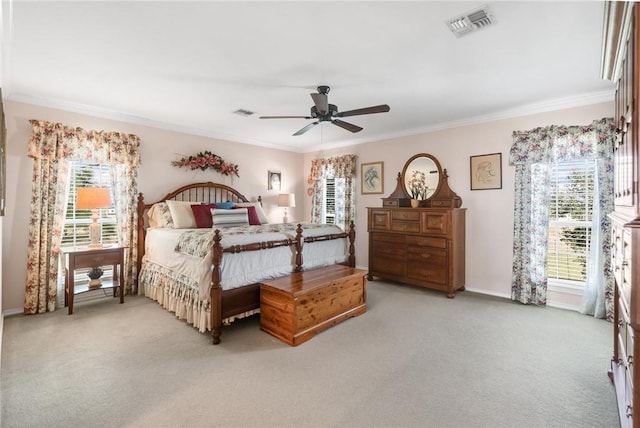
point(415, 359)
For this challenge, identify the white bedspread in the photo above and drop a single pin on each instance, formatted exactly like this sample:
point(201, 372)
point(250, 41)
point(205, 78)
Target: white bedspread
point(247, 267)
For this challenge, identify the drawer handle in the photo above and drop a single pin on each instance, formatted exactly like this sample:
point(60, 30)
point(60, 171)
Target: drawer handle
point(620, 322)
point(425, 255)
point(625, 263)
point(630, 359)
point(98, 259)
point(629, 408)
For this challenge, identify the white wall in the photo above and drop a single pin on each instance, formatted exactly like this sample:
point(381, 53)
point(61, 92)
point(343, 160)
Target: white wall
point(489, 212)
point(156, 177)
point(489, 216)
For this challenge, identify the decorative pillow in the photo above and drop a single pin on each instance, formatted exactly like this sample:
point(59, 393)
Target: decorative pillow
point(261, 215)
point(182, 215)
point(237, 217)
point(254, 220)
point(160, 216)
point(225, 205)
point(202, 214)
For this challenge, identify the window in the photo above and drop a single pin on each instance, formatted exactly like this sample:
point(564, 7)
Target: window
point(76, 222)
point(329, 205)
point(570, 220)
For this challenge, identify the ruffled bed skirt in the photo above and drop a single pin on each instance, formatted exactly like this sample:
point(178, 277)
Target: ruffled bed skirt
point(178, 294)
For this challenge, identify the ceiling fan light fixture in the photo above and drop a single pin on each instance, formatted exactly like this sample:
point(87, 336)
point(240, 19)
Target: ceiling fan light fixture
point(324, 112)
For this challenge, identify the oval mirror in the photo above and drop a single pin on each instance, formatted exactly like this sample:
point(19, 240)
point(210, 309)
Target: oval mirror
point(422, 176)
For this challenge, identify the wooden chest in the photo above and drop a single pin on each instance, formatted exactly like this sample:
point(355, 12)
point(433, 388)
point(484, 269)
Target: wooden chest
point(297, 307)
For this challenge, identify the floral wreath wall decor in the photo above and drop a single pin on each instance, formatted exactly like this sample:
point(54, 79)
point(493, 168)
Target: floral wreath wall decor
point(207, 160)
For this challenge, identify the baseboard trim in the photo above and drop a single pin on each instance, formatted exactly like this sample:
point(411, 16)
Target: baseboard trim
point(489, 293)
point(9, 312)
point(508, 296)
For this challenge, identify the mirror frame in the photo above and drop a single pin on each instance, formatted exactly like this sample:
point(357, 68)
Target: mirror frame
point(408, 163)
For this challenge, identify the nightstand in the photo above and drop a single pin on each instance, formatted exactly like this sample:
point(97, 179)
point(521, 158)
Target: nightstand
point(92, 258)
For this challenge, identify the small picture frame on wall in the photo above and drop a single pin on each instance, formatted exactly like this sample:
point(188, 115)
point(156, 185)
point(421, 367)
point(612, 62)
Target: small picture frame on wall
point(372, 178)
point(274, 180)
point(486, 171)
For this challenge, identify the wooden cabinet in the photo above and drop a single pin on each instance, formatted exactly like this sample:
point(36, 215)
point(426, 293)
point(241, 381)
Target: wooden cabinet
point(418, 246)
point(621, 54)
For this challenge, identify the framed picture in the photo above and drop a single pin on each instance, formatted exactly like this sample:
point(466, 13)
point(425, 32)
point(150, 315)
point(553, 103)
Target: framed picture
point(486, 171)
point(372, 178)
point(274, 179)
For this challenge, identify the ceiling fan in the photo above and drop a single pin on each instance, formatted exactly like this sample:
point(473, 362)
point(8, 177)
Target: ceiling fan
point(325, 112)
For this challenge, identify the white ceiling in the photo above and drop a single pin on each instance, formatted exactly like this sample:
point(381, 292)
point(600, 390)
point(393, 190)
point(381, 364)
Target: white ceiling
point(189, 66)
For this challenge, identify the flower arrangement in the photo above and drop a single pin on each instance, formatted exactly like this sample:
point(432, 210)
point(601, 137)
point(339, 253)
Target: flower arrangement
point(418, 185)
point(207, 160)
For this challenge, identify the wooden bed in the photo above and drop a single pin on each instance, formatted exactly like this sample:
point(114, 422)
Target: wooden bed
point(225, 304)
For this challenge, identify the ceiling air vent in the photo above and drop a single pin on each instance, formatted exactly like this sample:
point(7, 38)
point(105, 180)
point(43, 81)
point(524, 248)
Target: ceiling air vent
point(243, 112)
point(472, 21)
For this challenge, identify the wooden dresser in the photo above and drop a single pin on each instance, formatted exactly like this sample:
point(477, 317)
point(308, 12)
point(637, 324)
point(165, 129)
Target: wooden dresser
point(621, 55)
point(418, 246)
point(422, 246)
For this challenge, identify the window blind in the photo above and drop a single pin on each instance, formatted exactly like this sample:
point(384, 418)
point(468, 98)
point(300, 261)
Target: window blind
point(77, 221)
point(330, 201)
point(570, 217)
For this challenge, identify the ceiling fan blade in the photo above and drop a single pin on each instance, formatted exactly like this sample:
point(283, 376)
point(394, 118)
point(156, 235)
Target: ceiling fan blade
point(382, 108)
point(306, 128)
point(286, 117)
point(346, 125)
point(322, 103)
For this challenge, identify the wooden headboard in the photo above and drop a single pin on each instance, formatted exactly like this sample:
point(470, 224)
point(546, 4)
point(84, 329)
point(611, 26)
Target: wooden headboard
point(205, 192)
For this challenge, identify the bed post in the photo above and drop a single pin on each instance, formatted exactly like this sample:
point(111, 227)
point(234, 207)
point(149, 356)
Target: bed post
point(352, 249)
point(299, 244)
point(216, 290)
point(141, 232)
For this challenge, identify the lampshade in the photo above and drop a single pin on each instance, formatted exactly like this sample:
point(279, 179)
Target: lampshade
point(287, 200)
point(89, 198)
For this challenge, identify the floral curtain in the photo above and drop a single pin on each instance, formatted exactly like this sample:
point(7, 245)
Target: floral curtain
point(343, 170)
point(532, 153)
point(52, 146)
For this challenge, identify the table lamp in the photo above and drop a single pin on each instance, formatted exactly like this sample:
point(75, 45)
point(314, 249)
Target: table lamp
point(286, 200)
point(93, 198)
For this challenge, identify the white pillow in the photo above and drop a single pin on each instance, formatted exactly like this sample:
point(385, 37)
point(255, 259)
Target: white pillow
point(182, 214)
point(261, 215)
point(160, 216)
point(234, 217)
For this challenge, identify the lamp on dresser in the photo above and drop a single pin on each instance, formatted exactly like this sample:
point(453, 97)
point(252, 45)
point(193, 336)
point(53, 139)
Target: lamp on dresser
point(286, 200)
point(93, 198)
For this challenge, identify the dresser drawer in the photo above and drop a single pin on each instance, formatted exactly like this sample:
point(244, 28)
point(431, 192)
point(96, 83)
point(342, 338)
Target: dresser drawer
point(388, 237)
point(386, 249)
point(424, 272)
point(380, 220)
point(428, 256)
point(101, 258)
point(426, 241)
point(405, 226)
point(407, 215)
point(435, 223)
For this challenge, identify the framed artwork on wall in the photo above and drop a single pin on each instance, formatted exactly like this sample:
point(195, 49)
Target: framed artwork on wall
point(372, 178)
point(486, 171)
point(274, 179)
